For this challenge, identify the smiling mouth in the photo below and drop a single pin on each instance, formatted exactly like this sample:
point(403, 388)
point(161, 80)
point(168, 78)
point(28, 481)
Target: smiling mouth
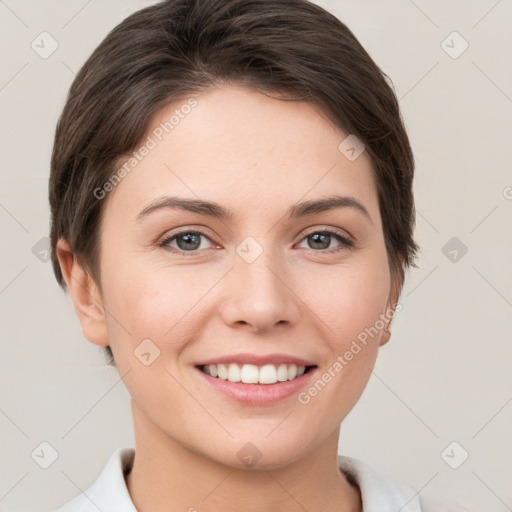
point(253, 374)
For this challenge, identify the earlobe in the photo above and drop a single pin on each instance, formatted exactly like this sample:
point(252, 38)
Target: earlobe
point(390, 310)
point(386, 335)
point(84, 294)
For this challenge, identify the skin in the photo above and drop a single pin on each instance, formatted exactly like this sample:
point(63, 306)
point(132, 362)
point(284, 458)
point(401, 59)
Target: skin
point(257, 156)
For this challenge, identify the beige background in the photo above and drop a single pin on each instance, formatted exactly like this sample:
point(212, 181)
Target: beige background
point(446, 373)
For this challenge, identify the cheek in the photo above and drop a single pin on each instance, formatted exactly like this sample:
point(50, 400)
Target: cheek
point(157, 303)
point(348, 301)
point(347, 298)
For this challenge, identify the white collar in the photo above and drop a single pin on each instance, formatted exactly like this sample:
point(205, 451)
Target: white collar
point(110, 494)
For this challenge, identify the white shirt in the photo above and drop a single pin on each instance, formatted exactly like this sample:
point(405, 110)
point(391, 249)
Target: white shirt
point(378, 493)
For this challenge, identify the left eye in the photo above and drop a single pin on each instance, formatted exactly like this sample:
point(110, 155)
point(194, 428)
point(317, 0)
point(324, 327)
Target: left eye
point(321, 239)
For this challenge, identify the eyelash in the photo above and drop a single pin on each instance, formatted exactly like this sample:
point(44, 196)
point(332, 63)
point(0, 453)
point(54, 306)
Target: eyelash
point(345, 242)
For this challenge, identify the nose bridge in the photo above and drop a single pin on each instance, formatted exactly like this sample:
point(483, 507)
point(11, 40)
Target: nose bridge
point(258, 294)
point(258, 267)
point(261, 276)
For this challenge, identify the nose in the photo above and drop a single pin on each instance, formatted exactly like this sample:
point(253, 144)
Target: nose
point(259, 295)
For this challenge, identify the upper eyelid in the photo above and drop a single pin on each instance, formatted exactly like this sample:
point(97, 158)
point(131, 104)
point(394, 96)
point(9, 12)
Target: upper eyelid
point(201, 231)
point(337, 231)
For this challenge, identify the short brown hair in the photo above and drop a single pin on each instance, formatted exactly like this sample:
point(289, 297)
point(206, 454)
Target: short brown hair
point(163, 53)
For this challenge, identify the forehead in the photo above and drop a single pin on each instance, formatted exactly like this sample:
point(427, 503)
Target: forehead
point(232, 145)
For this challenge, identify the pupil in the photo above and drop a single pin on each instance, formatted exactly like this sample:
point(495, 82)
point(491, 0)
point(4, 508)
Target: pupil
point(190, 238)
point(317, 240)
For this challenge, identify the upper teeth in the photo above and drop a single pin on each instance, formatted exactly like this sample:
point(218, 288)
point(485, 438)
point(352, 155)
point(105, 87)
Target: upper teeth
point(252, 374)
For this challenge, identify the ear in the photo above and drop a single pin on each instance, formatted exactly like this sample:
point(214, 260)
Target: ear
point(394, 295)
point(85, 295)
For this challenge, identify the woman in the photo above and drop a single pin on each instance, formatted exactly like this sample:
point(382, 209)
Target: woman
point(232, 214)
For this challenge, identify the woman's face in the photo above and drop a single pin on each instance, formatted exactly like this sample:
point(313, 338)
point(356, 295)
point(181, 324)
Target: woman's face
point(257, 282)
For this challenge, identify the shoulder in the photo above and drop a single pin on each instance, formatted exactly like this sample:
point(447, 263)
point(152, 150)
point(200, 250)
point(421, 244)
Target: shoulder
point(109, 492)
point(379, 492)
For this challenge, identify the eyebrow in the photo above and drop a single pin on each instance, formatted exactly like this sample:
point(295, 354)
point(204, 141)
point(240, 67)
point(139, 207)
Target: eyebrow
point(212, 209)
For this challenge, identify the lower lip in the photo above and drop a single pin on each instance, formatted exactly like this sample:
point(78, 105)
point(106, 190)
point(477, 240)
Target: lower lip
point(259, 394)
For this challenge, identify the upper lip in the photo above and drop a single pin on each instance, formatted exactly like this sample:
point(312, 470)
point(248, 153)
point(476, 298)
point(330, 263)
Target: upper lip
point(258, 360)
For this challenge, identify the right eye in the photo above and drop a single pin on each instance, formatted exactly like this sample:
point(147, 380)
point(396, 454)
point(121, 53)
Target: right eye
point(188, 242)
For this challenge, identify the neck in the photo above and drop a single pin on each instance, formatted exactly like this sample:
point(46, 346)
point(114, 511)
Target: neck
point(167, 473)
